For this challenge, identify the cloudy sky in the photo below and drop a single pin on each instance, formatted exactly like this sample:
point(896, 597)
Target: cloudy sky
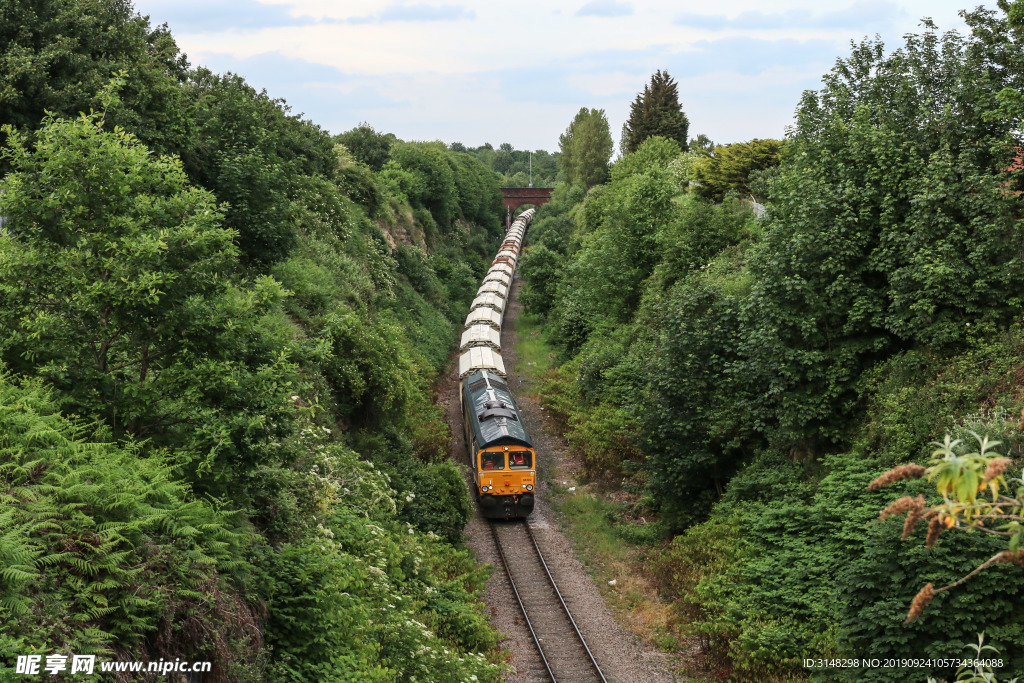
point(501, 71)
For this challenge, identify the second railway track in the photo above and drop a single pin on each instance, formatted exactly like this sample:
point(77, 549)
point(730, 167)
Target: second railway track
point(563, 650)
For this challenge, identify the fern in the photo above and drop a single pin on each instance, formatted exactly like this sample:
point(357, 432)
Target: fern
point(97, 544)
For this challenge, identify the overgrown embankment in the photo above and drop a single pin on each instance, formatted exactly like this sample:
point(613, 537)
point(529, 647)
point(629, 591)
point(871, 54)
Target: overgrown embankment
point(222, 330)
point(743, 380)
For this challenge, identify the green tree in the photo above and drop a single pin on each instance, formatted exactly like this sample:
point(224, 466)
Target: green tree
point(116, 289)
point(542, 268)
point(56, 55)
point(702, 142)
point(891, 227)
point(621, 223)
point(655, 111)
point(478, 191)
point(249, 151)
point(586, 147)
point(434, 188)
point(728, 168)
point(504, 158)
point(653, 156)
point(368, 146)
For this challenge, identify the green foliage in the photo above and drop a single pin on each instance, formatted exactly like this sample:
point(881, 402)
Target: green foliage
point(883, 577)
point(553, 229)
point(655, 111)
point(692, 570)
point(890, 227)
point(56, 55)
point(320, 630)
point(762, 581)
point(620, 245)
point(249, 151)
point(458, 278)
point(366, 367)
point(705, 236)
point(653, 155)
point(874, 308)
point(358, 183)
point(912, 399)
point(541, 268)
point(103, 548)
point(122, 292)
point(145, 305)
point(479, 194)
point(978, 673)
point(701, 143)
point(515, 167)
point(434, 496)
point(696, 415)
point(729, 168)
point(586, 146)
point(117, 291)
point(433, 182)
point(449, 185)
point(361, 597)
point(368, 146)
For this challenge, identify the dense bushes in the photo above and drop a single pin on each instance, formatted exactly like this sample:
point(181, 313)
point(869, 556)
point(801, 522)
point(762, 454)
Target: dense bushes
point(58, 55)
point(450, 185)
point(753, 376)
point(252, 325)
point(810, 569)
point(117, 292)
point(890, 226)
point(102, 547)
point(365, 599)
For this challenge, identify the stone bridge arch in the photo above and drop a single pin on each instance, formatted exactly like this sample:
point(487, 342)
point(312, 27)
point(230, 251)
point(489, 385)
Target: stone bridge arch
point(514, 197)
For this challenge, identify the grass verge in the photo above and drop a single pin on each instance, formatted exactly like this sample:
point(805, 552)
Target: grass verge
point(611, 545)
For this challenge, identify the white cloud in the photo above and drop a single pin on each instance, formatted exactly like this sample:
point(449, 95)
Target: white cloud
point(518, 71)
point(605, 8)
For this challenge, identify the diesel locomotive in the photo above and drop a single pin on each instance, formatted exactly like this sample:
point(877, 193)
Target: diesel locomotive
point(501, 455)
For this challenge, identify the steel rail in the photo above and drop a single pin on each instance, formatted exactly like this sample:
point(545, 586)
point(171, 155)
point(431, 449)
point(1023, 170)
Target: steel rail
point(561, 600)
point(522, 607)
point(551, 579)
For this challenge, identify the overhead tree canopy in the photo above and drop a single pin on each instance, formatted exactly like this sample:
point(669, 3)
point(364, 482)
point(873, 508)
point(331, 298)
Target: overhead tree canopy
point(655, 111)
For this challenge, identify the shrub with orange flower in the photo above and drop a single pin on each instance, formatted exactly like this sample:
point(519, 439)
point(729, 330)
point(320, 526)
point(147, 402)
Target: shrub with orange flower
point(976, 494)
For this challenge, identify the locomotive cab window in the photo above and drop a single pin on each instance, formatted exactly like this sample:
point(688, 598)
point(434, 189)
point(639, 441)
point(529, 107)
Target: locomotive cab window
point(492, 461)
point(518, 460)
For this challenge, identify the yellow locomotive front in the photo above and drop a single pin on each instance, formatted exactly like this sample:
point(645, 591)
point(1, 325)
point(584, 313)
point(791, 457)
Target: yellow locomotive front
point(507, 471)
point(503, 460)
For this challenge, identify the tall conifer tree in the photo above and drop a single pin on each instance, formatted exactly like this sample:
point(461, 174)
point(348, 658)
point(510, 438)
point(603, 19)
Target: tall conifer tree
point(655, 111)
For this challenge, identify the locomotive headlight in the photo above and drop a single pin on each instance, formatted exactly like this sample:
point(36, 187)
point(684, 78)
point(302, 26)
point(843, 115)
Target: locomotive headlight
point(485, 489)
point(529, 487)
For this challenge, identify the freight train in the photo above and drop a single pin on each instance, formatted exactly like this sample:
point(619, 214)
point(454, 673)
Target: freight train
point(501, 455)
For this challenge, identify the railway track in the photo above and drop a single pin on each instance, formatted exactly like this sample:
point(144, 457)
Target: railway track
point(564, 654)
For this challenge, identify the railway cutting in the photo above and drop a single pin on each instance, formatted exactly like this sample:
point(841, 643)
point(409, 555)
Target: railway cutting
point(555, 623)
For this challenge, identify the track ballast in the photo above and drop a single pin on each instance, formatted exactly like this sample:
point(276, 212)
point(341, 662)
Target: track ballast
point(563, 651)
